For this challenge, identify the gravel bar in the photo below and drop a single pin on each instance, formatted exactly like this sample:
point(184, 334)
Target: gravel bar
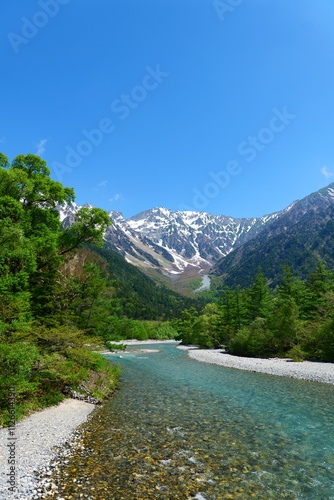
point(143, 342)
point(36, 439)
point(306, 370)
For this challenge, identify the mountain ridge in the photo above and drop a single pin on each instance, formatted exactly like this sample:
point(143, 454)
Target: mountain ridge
point(172, 242)
point(300, 238)
point(177, 243)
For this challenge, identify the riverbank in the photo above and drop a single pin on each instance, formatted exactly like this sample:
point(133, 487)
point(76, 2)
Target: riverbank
point(143, 342)
point(305, 370)
point(179, 428)
point(36, 439)
point(40, 439)
point(133, 342)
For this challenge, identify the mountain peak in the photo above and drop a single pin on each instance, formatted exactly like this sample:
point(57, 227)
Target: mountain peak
point(328, 190)
point(174, 242)
point(299, 237)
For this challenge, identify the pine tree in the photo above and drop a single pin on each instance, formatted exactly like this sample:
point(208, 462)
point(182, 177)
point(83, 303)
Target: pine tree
point(317, 286)
point(284, 323)
point(259, 300)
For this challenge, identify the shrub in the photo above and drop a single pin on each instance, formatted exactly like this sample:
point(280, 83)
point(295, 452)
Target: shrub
point(115, 347)
point(254, 341)
point(296, 353)
point(58, 339)
point(19, 364)
point(164, 331)
point(325, 341)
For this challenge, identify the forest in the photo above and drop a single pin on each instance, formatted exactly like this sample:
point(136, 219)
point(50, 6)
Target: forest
point(62, 296)
point(294, 320)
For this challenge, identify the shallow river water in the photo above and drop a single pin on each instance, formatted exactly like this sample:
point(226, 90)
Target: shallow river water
point(181, 429)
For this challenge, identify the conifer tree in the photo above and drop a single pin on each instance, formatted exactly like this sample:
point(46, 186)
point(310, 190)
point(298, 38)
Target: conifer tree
point(259, 299)
point(284, 323)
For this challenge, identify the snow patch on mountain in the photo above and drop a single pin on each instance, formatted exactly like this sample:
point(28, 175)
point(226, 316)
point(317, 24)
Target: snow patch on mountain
point(173, 242)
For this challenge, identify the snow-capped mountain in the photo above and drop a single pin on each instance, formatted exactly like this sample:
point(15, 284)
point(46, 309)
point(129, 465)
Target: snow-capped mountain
point(184, 243)
point(173, 242)
point(299, 238)
point(195, 238)
point(67, 212)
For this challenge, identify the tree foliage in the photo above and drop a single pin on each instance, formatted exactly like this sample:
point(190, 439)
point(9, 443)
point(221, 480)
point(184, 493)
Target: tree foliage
point(62, 295)
point(294, 320)
point(40, 320)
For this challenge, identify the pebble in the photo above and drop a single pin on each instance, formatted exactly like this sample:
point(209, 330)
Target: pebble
point(39, 440)
point(305, 370)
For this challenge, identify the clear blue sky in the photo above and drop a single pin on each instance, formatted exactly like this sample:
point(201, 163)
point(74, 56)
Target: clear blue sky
point(225, 107)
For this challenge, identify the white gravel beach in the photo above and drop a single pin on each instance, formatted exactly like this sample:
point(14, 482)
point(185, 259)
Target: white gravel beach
point(306, 370)
point(36, 437)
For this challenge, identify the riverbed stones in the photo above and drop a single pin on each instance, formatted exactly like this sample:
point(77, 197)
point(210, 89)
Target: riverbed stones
point(306, 370)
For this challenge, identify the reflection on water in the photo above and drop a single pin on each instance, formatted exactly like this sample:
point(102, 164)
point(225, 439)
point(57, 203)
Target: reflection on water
point(180, 429)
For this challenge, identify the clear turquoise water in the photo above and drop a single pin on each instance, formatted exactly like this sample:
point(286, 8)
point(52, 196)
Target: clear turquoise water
point(179, 429)
point(277, 433)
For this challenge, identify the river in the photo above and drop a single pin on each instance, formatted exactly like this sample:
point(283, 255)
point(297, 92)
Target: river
point(180, 429)
point(205, 285)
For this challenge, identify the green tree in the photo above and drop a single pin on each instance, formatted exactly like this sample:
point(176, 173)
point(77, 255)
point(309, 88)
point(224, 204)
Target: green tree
point(290, 285)
point(185, 325)
point(319, 283)
point(233, 312)
point(284, 323)
point(259, 299)
point(325, 341)
point(255, 340)
point(206, 328)
point(32, 245)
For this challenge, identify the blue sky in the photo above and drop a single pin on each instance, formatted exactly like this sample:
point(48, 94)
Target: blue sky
point(219, 106)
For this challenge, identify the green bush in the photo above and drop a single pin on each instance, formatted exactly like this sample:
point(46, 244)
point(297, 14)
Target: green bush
point(85, 359)
point(115, 347)
point(325, 341)
point(163, 331)
point(138, 330)
point(58, 339)
point(239, 343)
point(254, 341)
point(65, 371)
point(296, 353)
point(18, 363)
point(39, 380)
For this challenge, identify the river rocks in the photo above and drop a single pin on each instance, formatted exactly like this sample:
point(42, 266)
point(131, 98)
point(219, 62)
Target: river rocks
point(38, 440)
point(81, 397)
point(180, 430)
point(306, 370)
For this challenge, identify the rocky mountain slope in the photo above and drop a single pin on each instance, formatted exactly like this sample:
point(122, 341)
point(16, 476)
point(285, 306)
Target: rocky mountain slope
point(298, 238)
point(177, 244)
